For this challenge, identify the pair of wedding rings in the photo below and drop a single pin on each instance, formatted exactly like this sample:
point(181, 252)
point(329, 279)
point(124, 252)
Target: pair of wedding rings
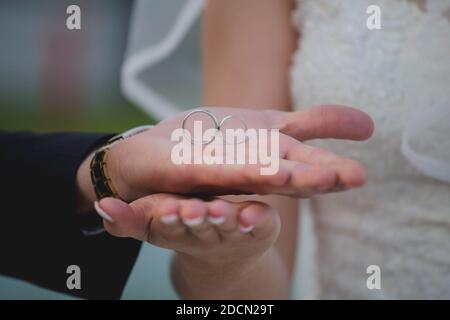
point(218, 125)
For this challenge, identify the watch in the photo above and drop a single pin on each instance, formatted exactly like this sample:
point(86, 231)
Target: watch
point(100, 178)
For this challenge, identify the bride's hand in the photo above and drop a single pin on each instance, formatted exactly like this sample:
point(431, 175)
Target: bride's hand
point(214, 234)
point(142, 165)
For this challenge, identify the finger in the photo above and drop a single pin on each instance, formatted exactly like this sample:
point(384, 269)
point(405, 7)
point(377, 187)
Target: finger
point(308, 180)
point(304, 180)
point(291, 178)
point(193, 213)
point(350, 173)
point(229, 211)
point(259, 220)
point(229, 178)
point(121, 220)
point(326, 121)
point(218, 211)
point(167, 220)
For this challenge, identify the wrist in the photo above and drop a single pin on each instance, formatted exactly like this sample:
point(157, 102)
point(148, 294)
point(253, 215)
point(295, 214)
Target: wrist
point(86, 191)
point(107, 167)
point(87, 194)
point(115, 161)
point(195, 277)
point(215, 265)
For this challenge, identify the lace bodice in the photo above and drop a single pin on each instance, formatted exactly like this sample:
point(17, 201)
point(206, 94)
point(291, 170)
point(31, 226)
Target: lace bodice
point(400, 75)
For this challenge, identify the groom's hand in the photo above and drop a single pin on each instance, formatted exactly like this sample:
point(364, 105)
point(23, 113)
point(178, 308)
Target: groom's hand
point(142, 164)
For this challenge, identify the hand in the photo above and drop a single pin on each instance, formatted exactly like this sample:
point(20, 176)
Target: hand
point(222, 249)
point(213, 233)
point(141, 165)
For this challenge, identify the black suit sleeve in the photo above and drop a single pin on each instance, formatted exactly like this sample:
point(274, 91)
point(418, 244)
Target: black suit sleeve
point(40, 231)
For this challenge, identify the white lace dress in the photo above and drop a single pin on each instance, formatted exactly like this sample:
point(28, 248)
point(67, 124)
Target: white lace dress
point(400, 75)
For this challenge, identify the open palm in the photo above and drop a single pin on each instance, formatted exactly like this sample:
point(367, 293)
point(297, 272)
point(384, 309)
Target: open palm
point(143, 163)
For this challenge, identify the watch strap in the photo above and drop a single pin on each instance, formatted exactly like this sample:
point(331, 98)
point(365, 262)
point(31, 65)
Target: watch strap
point(100, 177)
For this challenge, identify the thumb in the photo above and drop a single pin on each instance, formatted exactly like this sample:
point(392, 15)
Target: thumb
point(322, 122)
point(123, 220)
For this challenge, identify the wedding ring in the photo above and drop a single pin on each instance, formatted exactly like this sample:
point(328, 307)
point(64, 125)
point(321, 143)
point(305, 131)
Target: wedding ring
point(244, 125)
point(217, 125)
point(209, 114)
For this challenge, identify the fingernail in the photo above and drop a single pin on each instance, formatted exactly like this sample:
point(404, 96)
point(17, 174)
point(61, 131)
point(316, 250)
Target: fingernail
point(102, 213)
point(246, 229)
point(168, 218)
point(192, 222)
point(216, 220)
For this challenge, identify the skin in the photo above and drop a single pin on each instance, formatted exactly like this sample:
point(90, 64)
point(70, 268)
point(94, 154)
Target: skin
point(247, 50)
point(136, 163)
point(215, 250)
point(220, 260)
point(230, 67)
point(212, 258)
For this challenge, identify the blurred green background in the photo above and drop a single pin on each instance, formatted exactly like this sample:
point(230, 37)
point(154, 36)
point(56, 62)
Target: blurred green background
point(52, 79)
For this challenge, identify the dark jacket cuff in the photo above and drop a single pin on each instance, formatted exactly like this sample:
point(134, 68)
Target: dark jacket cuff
point(40, 234)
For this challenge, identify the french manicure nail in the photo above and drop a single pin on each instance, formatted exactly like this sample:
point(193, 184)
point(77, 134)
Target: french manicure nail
point(192, 222)
point(216, 220)
point(169, 218)
point(246, 229)
point(102, 213)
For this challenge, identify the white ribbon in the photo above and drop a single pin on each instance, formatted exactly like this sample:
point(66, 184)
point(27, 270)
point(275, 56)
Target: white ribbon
point(160, 26)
